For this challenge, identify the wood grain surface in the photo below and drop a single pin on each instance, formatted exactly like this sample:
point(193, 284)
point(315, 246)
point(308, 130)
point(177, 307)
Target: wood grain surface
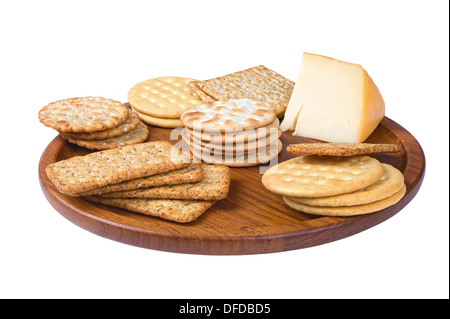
point(251, 220)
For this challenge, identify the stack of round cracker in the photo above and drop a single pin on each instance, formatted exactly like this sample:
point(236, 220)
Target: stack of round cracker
point(160, 101)
point(236, 132)
point(337, 184)
point(95, 123)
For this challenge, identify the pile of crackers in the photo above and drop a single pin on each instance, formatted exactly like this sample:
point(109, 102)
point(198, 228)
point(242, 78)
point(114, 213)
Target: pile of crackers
point(235, 132)
point(152, 178)
point(160, 101)
point(95, 123)
point(336, 179)
point(257, 83)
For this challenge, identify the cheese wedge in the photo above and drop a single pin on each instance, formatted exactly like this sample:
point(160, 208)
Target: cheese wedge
point(333, 101)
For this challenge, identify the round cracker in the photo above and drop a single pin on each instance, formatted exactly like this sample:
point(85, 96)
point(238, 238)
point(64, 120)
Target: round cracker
point(319, 176)
point(83, 114)
point(234, 114)
point(231, 136)
point(242, 160)
point(163, 97)
point(342, 149)
point(138, 135)
point(348, 210)
point(243, 147)
point(160, 122)
point(390, 183)
point(130, 124)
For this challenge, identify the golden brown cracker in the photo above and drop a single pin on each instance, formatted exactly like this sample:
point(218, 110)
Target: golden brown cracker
point(83, 173)
point(180, 211)
point(389, 184)
point(189, 174)
point(259, 83)
point(348, 210)
point(138, 135)
point(214, 186)
point(319, 176)
point(341, 149)
point(83, 114)
point(163, 97)
point(130, 124)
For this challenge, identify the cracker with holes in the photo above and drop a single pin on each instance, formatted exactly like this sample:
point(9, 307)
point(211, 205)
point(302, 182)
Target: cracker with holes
point(83, 114)
point(390, 183)
point(348, 210)
point(223, 115)
point(258, 83)
point(318, 176)
point(236, 137)
point(163, 97)
point(227, 132)
point(342, 149)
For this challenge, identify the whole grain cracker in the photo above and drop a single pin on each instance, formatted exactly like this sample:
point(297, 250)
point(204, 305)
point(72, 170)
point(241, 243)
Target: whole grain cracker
point(389, 184)
point(236, 114)
point(130, 124)
point(342, 149)
point(138, 135)
point(348, 210)
point(319, 176)
point(202, 95)
point(214, 186)
point(189, 174)
point(259, 83)
point(163, 97)
point(180, 211)
point(83, 173)
point(83, 114)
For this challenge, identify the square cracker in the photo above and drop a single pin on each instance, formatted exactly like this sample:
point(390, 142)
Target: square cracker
point(214, 186)
point(342, 149)
point(180, 211)
point(259, 83)
point(83, 173)
point(189, 174)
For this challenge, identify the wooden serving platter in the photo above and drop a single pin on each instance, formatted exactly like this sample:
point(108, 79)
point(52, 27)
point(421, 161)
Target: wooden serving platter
point(251, 220)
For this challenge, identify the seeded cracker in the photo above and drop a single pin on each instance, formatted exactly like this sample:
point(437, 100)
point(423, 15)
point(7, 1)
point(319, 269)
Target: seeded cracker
point(180, 211)
point(190, 174)
point(130, 124)
point(258, 83)
point(84, 173)
point(138, 135)
point(83, 114)
point(342, 149)
point(214, 186)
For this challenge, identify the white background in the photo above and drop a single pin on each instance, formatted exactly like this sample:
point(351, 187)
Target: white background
point(52, 50)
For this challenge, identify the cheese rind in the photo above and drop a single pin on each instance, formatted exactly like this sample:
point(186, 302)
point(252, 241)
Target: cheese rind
point(333, 101)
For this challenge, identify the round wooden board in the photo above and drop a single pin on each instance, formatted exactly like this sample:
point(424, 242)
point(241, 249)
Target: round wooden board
point(251, 220)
